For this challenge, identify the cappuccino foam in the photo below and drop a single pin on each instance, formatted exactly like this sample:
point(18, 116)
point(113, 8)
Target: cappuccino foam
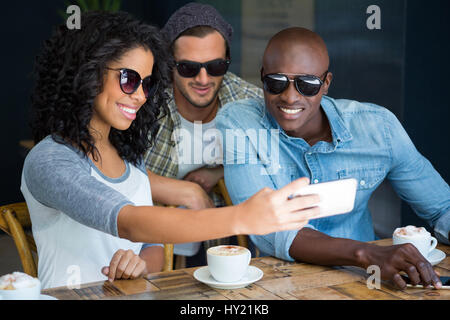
point(17, 280)
point(411, 231)
point(227, 250)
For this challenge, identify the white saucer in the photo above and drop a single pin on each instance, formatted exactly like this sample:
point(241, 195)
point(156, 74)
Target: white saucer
point(253, 274)
point(46, 297)
point(436, 256)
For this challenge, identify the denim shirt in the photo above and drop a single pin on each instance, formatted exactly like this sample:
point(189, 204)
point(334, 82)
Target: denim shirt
point(369, 144)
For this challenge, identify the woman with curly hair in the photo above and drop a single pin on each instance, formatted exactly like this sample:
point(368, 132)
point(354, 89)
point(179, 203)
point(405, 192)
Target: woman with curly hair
point(99, 93)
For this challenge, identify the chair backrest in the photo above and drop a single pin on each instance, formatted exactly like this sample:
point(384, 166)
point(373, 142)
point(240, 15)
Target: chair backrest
point(168, 254)
point(13, 219)
point(168, 257)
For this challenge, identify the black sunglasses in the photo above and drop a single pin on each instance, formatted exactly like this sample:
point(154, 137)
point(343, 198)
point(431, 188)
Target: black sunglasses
point(130, 81)
point(190, 69)
point(307, 85)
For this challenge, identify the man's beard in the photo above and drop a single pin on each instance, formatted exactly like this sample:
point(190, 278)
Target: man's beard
point(195, 104)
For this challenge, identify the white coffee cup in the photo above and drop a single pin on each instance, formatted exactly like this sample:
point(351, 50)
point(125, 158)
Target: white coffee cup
point(228, 263)
point(24, 289)
point(419, 237)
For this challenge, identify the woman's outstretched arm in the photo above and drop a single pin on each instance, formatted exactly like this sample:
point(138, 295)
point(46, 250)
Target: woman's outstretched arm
point(267, 211)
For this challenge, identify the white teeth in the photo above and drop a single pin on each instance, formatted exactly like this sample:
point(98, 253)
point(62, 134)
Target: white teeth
point(128, 110)
point(291, 111)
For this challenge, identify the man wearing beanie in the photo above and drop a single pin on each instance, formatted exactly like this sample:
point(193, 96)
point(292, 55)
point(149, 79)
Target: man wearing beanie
point(186, 147)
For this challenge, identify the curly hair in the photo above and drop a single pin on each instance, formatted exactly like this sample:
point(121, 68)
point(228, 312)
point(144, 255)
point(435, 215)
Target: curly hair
point(69, 75)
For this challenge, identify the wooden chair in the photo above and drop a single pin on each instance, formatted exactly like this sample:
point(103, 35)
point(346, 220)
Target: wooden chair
point(13, 219)
point(168, 254)
point(168, 257)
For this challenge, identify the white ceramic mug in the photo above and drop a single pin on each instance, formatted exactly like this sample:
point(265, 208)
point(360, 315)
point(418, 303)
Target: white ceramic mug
point(424, 242)
point(29, 293)
point(228, 263)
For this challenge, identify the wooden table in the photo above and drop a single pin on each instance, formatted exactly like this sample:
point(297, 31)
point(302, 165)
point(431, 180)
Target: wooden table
point(281, 281)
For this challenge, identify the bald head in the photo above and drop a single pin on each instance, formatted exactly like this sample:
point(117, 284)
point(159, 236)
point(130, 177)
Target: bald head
point(299, 45)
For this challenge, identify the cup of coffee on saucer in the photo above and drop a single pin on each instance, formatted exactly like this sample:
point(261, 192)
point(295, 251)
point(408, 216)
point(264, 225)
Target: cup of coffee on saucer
point(228, 263)
point(418, 236)
point(19, 286)
point(228, 268)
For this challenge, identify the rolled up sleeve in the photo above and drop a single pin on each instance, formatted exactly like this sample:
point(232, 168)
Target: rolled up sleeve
point(442, 229)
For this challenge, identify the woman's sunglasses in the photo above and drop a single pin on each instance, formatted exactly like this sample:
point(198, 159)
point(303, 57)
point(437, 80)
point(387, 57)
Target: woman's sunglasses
point(130, 81)
point(190, 69)
point(307, 85)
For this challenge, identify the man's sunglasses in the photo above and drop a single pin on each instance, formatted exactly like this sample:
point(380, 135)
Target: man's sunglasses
point(130, 81)
point(215, 68)
point(307, 85)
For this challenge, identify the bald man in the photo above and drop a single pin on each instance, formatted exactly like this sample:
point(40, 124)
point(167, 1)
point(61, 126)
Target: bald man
point(328, 139)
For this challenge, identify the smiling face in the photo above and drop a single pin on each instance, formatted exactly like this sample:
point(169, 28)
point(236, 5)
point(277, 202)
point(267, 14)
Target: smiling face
point(292, 53)
point(113, 107)
point(200, 91)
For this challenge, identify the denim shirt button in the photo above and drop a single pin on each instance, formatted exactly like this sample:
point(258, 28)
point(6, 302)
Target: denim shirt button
point(316, 181)
point(362, 182)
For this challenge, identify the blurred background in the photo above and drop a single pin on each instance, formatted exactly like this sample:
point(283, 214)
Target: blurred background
point(403, 66)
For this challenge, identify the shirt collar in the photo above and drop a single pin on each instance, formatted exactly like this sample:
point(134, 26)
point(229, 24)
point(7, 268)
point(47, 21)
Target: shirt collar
point(339, 131)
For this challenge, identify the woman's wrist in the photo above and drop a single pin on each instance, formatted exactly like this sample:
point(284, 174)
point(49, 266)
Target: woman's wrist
point(237, 212)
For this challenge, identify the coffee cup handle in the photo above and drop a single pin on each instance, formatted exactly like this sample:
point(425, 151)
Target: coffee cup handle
point(434, 243)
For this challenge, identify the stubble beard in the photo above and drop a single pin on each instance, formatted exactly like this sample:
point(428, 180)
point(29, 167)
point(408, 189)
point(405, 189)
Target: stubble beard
point(195, 104)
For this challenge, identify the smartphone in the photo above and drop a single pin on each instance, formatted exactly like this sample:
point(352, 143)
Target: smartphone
point(336, 197)
point(444, 280)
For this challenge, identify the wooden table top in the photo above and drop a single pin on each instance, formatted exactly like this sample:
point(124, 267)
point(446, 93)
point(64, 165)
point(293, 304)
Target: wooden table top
point(282, 280)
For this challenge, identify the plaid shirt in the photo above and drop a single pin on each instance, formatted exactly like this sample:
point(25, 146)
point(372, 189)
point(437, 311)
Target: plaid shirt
point(162, 158)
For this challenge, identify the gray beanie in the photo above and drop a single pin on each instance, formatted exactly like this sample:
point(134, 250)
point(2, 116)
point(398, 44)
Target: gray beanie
point(196, 14)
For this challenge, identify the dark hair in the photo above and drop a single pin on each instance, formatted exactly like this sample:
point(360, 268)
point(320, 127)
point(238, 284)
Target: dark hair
point(200, 32)
point(69, 75)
